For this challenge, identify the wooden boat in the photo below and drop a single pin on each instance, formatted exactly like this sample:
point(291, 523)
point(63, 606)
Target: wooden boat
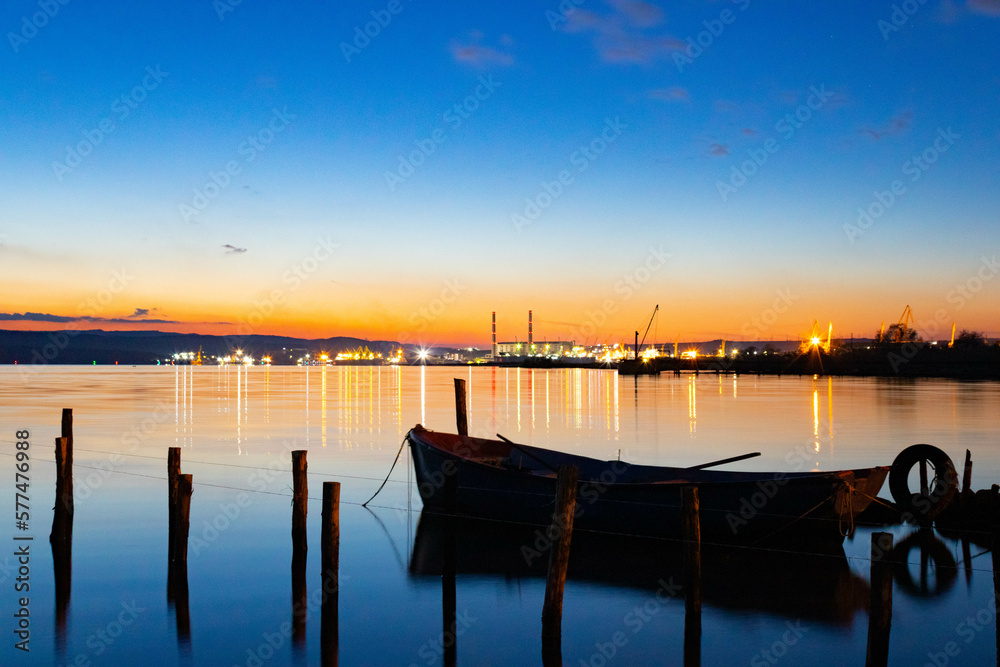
point(501, 480)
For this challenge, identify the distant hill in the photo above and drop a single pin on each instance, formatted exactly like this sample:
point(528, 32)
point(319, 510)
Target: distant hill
point(146, 347)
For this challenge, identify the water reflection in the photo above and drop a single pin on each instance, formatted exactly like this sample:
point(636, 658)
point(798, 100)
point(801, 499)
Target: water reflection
point(817, 586)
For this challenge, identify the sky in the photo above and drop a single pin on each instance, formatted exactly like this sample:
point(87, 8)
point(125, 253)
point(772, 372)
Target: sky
point(401, 169)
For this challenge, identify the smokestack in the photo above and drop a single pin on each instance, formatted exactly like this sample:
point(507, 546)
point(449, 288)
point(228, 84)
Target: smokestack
point(530, 338)
point(494, 334)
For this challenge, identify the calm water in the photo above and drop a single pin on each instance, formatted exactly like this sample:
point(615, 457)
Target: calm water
point(236, 427)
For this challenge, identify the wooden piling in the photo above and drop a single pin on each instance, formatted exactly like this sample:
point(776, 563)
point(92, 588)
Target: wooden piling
point(691, 510)
point(300, 500)
point(880, 614)
point(330, 575)
point(62, 516)
point(555, 582)
point(924, 490)
point(967, 475)
point(300, 507)
point(185, 485)
point(461, 407)
point(61, 537)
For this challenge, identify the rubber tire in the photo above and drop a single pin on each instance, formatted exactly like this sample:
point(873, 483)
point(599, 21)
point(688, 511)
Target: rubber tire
point(899, 483)
point(945, 569)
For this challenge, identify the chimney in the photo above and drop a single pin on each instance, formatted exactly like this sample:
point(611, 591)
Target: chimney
point(494, 334)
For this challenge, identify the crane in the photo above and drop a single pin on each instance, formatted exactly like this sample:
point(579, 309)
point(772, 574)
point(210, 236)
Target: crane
point(906, 318)
point(637, 343)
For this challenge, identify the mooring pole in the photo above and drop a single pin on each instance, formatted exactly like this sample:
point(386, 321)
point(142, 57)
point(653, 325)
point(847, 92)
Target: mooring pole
point(967, 476)
point(461, 407)
point(185, 485)
point(300, 499)
point(880, 615)
point(300, 507)
point(330, 575)
point(555, 581)
point(691, 508)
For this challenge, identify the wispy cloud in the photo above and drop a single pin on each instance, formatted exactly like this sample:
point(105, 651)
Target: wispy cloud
point(140, 312)
point(623, 36)
point(675, 94)
point(233, 250)
point(641, 14)
point(718, 149)
point(988, 7)
point(896, 125)
point(473, 52)
point(62, 319)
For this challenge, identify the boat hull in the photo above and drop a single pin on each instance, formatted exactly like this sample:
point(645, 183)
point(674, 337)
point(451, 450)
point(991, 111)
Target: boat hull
point(491, 479)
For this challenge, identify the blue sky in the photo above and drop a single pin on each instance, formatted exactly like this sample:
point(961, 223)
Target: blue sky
point(332, 115)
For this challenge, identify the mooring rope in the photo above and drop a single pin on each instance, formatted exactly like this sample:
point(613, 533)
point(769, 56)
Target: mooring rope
point(394, 462)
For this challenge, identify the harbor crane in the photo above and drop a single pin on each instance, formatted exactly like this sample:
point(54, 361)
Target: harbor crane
point(649, 324)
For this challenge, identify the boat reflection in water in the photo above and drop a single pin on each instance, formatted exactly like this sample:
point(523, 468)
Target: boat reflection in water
point(815, 586)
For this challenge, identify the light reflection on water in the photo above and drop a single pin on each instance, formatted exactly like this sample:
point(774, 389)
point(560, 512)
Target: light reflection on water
point(352, 419)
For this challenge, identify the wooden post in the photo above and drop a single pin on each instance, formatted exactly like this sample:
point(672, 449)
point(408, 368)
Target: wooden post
point(173, 473)
point(555, 581)
point(300, 506)
point(924, 490)
point(880, 615)
point(300, 500)
point(691, 508)
point(330, 577)
point(967, 476)
point(184, 489)
point(62, 516)
point(461, 407)
point(61, 537)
